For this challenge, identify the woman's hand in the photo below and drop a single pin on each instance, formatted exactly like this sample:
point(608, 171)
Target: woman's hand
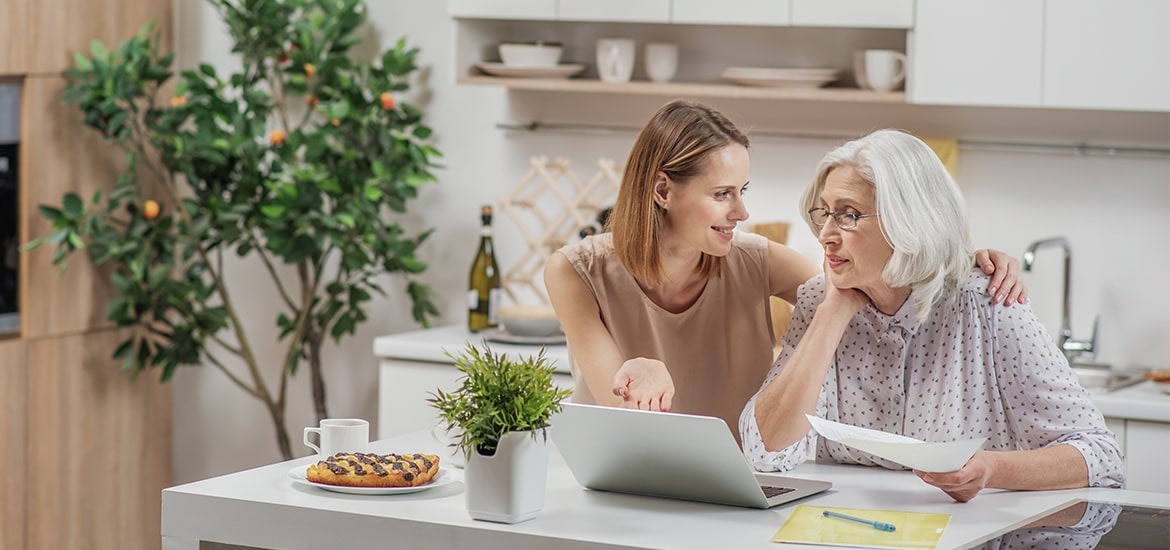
point(1007, 285)
point(644, 384)
point(962, 484)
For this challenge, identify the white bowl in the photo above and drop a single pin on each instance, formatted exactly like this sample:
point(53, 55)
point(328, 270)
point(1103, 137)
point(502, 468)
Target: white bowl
point(529, 320)
point(531, 55)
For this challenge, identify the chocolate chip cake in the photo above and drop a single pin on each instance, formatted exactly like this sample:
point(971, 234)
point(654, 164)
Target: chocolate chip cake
point(372, 470)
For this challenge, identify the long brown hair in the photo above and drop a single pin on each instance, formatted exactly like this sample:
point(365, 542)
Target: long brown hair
point(677, 141)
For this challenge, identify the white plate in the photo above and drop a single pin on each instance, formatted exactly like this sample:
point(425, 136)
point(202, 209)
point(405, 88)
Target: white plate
point(502, 336)
point(560, 71)
point(786, 82)
point(446, 476)
point(761, 72)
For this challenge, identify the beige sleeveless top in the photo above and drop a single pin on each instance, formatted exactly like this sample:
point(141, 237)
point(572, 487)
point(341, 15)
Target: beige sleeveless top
point(717, 351)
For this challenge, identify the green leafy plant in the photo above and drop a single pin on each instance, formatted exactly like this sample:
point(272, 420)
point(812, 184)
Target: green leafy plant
point(297, 161)
point(498, 395)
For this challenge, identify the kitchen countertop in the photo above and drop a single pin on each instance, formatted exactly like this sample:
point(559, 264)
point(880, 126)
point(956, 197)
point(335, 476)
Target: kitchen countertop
point(1143, 401)
point(262, 507)
point(431, 345)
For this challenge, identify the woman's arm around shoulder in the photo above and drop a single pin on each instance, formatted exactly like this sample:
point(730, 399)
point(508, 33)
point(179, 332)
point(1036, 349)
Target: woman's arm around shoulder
point(787, 270)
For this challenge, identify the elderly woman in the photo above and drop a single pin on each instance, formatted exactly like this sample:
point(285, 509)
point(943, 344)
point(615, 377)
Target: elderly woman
point(899, 336)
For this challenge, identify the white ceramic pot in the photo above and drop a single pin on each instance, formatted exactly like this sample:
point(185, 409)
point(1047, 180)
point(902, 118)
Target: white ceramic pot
point(508, 487)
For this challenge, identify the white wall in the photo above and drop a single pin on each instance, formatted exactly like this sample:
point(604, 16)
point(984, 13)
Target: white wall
point(1115, 211)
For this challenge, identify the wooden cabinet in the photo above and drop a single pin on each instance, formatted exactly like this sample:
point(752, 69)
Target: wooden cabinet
point(976, 53)
point(1079, 54)
point(13, 388)
point(60, 155)
point(99, 446)
point(14, 40)
point(1107, 54)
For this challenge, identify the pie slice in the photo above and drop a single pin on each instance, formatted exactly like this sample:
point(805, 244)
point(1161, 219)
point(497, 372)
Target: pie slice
point(373, 470)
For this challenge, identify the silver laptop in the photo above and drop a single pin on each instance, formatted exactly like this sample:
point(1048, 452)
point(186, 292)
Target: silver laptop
point(668, 455)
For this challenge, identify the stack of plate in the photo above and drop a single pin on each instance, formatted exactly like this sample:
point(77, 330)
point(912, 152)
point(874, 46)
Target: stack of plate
point(781, 78)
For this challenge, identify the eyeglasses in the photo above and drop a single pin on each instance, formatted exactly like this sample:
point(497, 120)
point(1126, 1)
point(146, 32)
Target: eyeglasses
point(845, 220)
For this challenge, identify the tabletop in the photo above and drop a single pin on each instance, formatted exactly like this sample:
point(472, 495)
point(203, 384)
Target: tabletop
point(265, 508)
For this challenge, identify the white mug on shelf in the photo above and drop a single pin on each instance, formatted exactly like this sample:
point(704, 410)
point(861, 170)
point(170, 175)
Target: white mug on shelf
point(879, 70)
point(661, 61)
point(615, 59)
point(340, 435)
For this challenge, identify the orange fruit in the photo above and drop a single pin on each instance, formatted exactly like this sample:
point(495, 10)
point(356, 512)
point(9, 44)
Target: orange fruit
point(178, 101)
point(283, 57)
point(310, 70)
point(387, 99)
point(276, 137)
point(312, 101)
point(335, 122)
point(150, 209)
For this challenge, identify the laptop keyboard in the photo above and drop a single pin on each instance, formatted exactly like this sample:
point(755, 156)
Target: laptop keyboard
point(770, 491)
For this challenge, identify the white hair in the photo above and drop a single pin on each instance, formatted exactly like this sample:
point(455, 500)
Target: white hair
point(920, 211)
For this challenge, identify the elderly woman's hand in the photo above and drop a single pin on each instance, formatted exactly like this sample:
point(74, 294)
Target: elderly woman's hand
point(962, 484)
point(1007, 285)
point(644, 384)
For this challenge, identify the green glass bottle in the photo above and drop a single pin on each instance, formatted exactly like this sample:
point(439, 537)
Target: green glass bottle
point(483, 294)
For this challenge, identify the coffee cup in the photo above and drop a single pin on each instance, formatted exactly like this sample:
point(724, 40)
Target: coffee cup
point(880, 70)
point(615, 59)
point(661, 61)
point(339, 435)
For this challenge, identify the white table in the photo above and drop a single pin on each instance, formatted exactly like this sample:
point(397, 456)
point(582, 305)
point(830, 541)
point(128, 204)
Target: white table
point(263, 508)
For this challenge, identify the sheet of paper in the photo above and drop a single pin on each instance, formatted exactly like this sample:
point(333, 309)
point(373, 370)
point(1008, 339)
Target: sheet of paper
point(807, 525)
point(907, 451)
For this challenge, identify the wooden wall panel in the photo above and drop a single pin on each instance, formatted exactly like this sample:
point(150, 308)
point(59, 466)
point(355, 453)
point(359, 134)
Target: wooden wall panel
point(59, 154)
point(12, 443)
point(14, 37)
point(101, 443)
point(73, 24)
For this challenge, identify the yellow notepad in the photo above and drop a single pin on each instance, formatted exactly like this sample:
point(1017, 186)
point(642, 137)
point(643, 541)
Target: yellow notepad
point(807, 525)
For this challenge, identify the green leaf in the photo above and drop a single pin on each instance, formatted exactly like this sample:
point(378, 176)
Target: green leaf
point(74, 206)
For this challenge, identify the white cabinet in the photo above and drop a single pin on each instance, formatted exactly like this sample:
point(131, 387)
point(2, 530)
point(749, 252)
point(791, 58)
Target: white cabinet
point(1146, 444)
point(732, 12)
point(976, 53)
point(1081, 54)
point(1107, 54)
point(630, 11)
point(872, 14)
point(503, 9)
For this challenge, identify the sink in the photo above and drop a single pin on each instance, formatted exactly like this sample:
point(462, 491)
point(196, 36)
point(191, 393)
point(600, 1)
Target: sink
point(1102, 377)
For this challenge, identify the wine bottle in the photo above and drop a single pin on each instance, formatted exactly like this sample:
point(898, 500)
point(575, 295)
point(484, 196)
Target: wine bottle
point(483, 294)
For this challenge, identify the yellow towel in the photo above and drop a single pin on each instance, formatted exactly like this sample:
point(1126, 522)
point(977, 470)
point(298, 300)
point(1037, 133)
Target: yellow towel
point(947, 151)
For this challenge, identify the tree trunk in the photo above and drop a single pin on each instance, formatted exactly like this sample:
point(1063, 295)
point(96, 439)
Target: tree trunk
point(316, 376)
point(282, 440)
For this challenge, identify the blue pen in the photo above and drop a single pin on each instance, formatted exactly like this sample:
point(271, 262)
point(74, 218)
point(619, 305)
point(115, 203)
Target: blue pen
point(875, 524)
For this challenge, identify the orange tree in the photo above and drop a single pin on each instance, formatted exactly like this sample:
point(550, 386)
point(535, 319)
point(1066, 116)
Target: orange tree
point(300, 160)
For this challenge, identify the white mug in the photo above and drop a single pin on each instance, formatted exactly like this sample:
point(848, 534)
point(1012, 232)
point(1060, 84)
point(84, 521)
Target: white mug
point(661, 61)
point(340, 435)
point(882, 70)
point(615, 59)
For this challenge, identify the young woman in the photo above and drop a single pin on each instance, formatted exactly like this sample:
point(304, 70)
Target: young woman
point(670, 310)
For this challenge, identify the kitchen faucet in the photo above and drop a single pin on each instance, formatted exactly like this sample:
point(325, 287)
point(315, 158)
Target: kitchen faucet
point(1071, 348)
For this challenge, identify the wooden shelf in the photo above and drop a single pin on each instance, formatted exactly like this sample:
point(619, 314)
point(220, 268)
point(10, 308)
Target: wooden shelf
point(687, 89)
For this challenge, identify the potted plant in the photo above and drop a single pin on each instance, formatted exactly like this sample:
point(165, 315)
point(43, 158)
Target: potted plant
point(501, 410)
point(297, 164)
